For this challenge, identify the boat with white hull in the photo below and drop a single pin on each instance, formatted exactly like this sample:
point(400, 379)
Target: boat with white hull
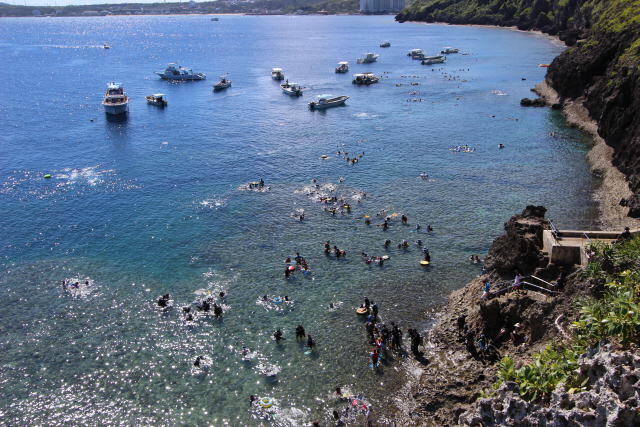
point(368, 58)
point(324, 102)
point(292, 89)
point(176, 72)
point(115, 100)
point(430, 60)
point(343, 67)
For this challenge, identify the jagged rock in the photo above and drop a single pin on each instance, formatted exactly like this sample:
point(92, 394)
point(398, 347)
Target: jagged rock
point(611, 399)
point(520, 247)
point(538, 102)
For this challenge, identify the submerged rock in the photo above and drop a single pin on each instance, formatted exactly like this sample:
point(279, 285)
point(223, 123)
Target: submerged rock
point(538, 102)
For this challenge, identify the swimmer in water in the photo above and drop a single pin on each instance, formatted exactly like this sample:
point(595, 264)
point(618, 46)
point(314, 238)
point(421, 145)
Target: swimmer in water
point(198, 360)
point(403, 218)
point(310, 342)
point(387, 243)
point(429, 228)
point(300, 333)
point(221, 294)
point(245, 351)
point(419, 242)
point(277, 335)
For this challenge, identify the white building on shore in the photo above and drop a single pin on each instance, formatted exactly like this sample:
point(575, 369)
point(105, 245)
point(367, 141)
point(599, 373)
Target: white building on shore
point(381, 6)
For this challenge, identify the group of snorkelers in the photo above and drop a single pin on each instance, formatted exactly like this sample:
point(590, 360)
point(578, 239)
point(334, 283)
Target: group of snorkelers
point(300, 261)
point(339, 253)
point(301, 335)
point(206, 305)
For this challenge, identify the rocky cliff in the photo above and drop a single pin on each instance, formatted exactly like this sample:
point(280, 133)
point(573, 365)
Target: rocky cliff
point(601, 69)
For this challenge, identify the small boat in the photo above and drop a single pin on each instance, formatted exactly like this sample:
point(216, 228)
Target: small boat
point(324, 102)
point(448, 50)
point(416, 54)
point(176, 72)
point(106, 46)
point(292, 89)
point(365, 79)
point(215, 19)
point(368, 58)
point(385, 44)
point(430, 60)
point(115, 100)
point(222, 84)
point(157, 99)
point(277, 74)
point(343, 67)
point(543, 65)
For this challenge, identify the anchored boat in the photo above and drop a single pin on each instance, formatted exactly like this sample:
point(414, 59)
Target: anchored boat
point(365, 79)
point(416, 54)
point(222, 84)
point(176, 72)
point(292, 89)
point(277, 74)
point(115, 100)
point(325, 101)
point(368, 58)
point(157, 99)
point(448, 50)
point(430, 60)
point(385, 44)
point(343, 67)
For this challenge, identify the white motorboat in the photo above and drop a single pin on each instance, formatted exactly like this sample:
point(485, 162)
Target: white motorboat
point(448, 50)
point(325, 101)
point(106, 46)
point(430, 60)
point(292, 89)
point(176, 72)
point(416, 54)
point(385, 44)
point(343, 67)
point(365, 79)
point(222, 84)
point(115, 100)
point(277, 74)
point(157, 99)
point(368, 58)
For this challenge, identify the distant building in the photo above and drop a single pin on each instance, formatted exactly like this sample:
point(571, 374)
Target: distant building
point(381, 6)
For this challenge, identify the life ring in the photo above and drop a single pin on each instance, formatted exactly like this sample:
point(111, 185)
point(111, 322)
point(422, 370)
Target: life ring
point(277, 300)
point(423, 262)
point(361, 310)
point(265, 402)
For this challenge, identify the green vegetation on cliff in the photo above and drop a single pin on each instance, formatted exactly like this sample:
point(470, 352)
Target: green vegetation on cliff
point(614, 317)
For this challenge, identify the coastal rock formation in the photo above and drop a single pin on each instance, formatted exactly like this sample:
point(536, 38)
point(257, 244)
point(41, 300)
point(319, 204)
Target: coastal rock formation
point(612, 397)
point(601, 71)
point(518, 324)
point(519, 248)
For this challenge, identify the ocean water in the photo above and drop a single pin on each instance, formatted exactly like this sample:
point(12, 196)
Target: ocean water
point(155, 203)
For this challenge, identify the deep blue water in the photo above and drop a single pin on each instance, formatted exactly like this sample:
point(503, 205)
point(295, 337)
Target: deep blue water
point(153, 204)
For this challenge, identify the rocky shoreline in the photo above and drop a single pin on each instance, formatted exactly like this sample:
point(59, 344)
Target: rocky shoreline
point(613, 185)
point(454, 371)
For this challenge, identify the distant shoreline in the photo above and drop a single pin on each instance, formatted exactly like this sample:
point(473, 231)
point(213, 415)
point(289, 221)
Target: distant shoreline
point(201, 14)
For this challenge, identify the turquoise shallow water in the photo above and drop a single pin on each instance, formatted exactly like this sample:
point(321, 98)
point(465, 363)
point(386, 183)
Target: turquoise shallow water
point(152, 204)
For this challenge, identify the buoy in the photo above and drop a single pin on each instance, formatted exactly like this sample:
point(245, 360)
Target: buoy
point(361, 310)
point(265, 402)
point(291, 267)
point(423, 262)
point(47, 175)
